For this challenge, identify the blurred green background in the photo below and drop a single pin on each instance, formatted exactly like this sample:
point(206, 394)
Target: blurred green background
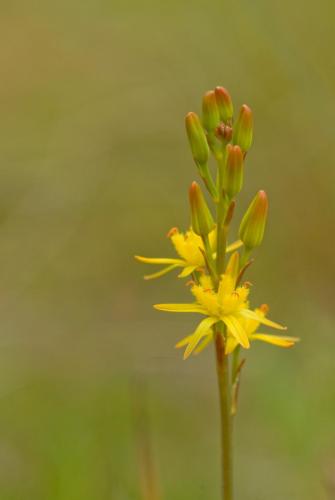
point(95, 168)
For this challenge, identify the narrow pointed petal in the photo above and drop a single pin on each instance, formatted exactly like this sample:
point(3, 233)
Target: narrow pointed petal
point(183, 308)
point(233, 266)
point(186, 271)
point(234, 246)
point(159, 260)
point(203, 329)
point(160, 273)
point(183, 342)
point(237, 330)
point(246, 313)
point(203, 344)
point(275, 339)
point(231, 344)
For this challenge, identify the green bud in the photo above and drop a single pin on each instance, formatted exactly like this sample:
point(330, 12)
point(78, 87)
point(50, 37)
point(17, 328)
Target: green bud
point(243, 129)
point(225, 104)
point(197, 139)
point(253, 223)
point(210, 111)
point(233, 173)
point(202, 220)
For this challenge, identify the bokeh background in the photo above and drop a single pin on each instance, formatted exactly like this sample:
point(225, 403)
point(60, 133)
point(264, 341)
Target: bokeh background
point(95, 168)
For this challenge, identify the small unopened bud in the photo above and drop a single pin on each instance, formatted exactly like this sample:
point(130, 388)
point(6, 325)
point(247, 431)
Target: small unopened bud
point(224, 133)
point(202, 220)
point(224, 103)
point(243, 129)
point(233, 172)
point(197, 138)
point(210, 111)
point(253, 223)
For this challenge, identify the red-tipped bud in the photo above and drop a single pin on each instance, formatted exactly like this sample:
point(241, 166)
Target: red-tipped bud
point(202, 220)
point(233, 173)
point(210, 111)
point(243, 129)
point(254, 220)
point(197, 138)
point(224, 103)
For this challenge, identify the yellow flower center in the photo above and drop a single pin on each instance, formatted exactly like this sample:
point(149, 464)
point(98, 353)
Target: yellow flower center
point(188, 246)
point(226, 301)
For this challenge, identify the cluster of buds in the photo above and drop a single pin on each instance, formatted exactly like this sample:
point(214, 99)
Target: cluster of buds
point(217, 133)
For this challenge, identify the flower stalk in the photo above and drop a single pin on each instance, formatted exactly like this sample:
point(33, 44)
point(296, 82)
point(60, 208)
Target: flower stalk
point(224, 384)
point(220, 295)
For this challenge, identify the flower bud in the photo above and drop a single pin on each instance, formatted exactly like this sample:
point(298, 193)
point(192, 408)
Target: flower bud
point(224, 133)
point(253, 223)
point(197, 138)
point(233, 173)
point(202, 220)
point(224, 103)
point(243, 129)
point(210, 111)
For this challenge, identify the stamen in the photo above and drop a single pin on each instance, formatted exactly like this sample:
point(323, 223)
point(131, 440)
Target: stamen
point(172, 231)
point(190, 283)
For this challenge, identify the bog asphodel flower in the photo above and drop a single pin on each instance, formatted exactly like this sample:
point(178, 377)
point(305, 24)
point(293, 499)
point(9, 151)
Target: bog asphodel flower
point(189, 246)
point(251, 328)
point(219, 294)
point(229, 305)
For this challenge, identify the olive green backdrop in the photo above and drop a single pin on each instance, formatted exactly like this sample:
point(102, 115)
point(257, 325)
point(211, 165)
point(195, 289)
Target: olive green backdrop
point(94, 167)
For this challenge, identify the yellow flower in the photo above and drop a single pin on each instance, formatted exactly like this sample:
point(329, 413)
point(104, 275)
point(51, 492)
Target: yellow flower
point(189, 247)
point(228, 304)
point(251, 326)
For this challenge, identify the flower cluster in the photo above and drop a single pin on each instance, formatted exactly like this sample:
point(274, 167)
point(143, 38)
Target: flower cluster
point(216, 285)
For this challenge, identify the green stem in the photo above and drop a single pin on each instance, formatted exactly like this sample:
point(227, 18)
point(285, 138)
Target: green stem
point(208, 181)
point(221, 215)
point(222, 361)
point(222, 367)
point(209, 256)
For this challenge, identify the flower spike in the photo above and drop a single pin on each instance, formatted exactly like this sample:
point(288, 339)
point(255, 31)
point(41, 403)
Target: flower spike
point(220, 296)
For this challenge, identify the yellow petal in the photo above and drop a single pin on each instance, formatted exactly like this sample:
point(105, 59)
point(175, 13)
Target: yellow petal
point(204, 343)
point(203, 329)
point(234, 246)
point(183, 342)
point(186, 271)
point(160, 273)
point(159, 260)
point(247, 313)
point(237, 330)
point(226, 286)
point(275, 339)
point(231, 344)
point(183, 308)
point(233, 266)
